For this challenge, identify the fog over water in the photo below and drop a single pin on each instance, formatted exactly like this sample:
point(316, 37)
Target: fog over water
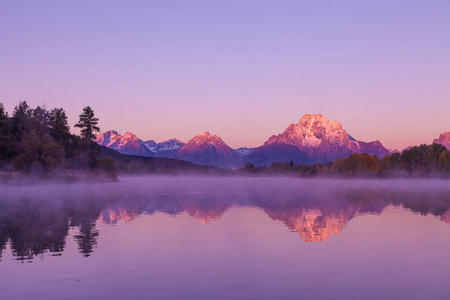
point(226, 237)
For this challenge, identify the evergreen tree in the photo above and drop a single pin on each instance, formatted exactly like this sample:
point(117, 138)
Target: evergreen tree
point(21, 121)
point(88, 124)
point(444, 162)
point(90, 150)
point(434, 152)
point(6, 147)
point(4, 120)
point(60, 131)
point(38, 154)
point(59, 126)
point(40, 120)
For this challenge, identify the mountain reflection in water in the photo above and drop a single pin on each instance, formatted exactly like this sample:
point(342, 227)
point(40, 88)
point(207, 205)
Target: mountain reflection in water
point(36, 219)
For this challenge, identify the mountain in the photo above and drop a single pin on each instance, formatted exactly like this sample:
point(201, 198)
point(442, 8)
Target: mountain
point(444, 139)
point(127, 144)
point(243, 151)
point(132, 145)
point(206, 149)
point(314, 139)
point(372, 148)
point(167, 148)
point(268, 154)
point(392, 151)
point(135, 164)
point(313, 225)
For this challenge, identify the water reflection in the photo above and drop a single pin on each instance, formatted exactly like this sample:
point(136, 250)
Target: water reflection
point(34, 220)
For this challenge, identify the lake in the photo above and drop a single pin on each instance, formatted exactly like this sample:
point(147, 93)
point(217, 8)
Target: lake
point(226, 238)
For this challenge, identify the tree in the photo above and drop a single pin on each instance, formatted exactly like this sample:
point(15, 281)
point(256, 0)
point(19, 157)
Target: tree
point(60, 131)
point(40, 120)
point(21, 121)
point(434, 152)
point(250, 168)
point(4, 120)
point(59, 126)
point(109, 166)
point(38, 154)
point(88, 124)
point(444, 162)
point(6, 146)
point(90, 150)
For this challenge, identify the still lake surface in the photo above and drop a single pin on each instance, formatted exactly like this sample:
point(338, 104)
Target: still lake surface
point(226, 238)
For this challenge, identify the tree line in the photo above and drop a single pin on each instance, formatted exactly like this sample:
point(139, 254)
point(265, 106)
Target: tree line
point(38, 140)
point(423, 160)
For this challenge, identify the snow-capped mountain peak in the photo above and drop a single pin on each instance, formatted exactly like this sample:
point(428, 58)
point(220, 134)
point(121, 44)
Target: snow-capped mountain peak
point(127, 144)
point(314, 139)
point(243, 151)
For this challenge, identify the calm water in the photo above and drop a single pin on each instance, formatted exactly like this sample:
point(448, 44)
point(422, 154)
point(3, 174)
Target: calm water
point(226, 238)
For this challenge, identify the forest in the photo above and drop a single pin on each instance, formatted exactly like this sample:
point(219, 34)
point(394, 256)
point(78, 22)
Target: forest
point(419, 161)
point(38, 142)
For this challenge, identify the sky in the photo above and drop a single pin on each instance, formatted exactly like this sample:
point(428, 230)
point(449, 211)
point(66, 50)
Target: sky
point(243, 70)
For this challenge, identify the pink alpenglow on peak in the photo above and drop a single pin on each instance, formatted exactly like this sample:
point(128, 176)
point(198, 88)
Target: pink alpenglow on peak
point(207, 149)
point(444, 139)
point(314, 139)
point(127, 144)
point(132, 145)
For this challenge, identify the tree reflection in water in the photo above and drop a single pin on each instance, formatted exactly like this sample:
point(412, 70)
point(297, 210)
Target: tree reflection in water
point(37, 224)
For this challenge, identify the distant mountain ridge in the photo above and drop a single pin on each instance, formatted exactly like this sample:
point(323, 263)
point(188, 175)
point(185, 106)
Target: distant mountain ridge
point(132, 145)
point(314, 139)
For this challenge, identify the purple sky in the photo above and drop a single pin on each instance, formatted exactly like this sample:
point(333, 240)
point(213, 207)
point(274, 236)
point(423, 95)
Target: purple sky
point(243, 70)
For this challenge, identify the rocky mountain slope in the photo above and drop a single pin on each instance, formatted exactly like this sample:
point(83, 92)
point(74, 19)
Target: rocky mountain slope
point(207, 149)
point(314, 139)
point(444, 139)
point(167, 148)
point(127, 144)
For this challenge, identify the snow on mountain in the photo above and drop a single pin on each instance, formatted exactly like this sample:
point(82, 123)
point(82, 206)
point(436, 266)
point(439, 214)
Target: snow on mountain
point(314, 139)
point(151, 145)
point(243, 151)
point(170, 145)
point(207, 149)
point(444, 139)
point(127, 144)
point(108, 138)
point(131, 144)
point(318, 140)
point(167, 148)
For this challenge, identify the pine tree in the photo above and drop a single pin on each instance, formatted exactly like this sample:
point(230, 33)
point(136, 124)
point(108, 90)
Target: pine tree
point(90, 150)
point(88, 124)
point(60, 130)
point(59, 126)
point(40, 120)
point(21, 122)
point(6, 147)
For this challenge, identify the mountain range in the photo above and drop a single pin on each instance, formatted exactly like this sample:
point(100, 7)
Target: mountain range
point(314, 139)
